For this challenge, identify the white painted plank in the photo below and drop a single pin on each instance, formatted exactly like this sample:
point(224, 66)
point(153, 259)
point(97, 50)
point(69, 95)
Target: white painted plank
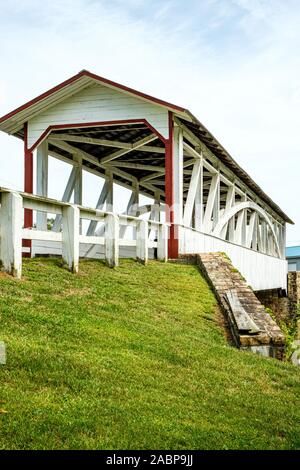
point(42, 181)
point(190, 201)
point(261, 271)
point(70, 237)
point(112, 240)
point(11, 233)
point(99, 104)
point(142, 241)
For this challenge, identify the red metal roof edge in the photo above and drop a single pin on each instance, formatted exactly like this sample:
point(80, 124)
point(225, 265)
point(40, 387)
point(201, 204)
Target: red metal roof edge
point(94, 77)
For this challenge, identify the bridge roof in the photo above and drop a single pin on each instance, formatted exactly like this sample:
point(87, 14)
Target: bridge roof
point(13, 122)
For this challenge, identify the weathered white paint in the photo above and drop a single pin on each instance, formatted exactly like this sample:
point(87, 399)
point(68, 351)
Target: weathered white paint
point(260, 271)
point(199, 199)
point(112, 240)
point(99, 205)
point(135, 146)
point(42, 181)
point(142, 241)
point(127, 248)
point(210, 205)
point(95, 104)
point(162, 243)
point(70, 237)
point(240, 236)
point(178, 175)
point(43, 235)
point(11, 233)
point(190, 200)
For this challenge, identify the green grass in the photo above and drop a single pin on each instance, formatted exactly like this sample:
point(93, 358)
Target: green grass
point(133, 358)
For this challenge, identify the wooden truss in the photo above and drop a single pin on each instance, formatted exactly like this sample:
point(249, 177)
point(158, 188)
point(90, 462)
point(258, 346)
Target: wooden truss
point(208, 197)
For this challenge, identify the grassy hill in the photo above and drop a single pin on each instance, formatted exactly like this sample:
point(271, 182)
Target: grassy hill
point(133, 358)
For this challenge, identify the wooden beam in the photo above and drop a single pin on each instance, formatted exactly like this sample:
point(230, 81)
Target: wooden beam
point(199, 200)
point(215, 182)
point(70, 237)
point(137, 166)
point(178, 175)
point(105, 142)
point(135, 146)
point(42, 181)
point(11, 233)
point(92, 159)
point(251, 230)
point(240, 231)
point(206, 152)
point(99, 206)
point(65, 198)
point(190, 201)
point(151, 177)
point(230, 200)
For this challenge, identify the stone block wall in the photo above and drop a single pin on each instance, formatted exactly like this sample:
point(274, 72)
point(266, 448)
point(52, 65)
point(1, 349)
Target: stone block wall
point(294, 286)
point(283, 307)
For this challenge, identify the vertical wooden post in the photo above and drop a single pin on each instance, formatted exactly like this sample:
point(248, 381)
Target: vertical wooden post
point(169, 191)
point(28, 186)
point(283, 243)
point(70, 237)
point(112, 240)
point(216, 204)
point(199, 199)
point(155, 212)
point(230, 201)
point(110, 191)
point(11, 233)
point(178, 175)
point(240, 232)
point(42, 181)
point(210, 204)
point(190, 199)
point(78, 185)
point(142, 241)
point(162, 243)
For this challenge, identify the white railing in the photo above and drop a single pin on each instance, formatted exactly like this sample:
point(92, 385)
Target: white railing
point(12, 232)
point(261, 271)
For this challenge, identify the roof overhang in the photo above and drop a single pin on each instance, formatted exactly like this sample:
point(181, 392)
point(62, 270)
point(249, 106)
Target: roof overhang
point(14, 121)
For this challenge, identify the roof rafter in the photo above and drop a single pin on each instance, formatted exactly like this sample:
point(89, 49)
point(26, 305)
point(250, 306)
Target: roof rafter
point(135, 146)
point(105, 142)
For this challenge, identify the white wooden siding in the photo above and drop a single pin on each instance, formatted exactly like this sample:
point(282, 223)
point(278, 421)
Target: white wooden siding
point(98, 103)
point(260, 271)
point(54, 248)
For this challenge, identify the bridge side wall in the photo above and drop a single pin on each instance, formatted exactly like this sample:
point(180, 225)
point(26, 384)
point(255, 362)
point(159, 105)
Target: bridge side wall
point(261, 271)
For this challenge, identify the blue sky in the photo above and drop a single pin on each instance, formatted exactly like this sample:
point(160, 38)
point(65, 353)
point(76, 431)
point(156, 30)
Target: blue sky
point(234, 63)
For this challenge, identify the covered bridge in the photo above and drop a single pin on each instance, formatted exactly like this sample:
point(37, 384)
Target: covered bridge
point(154, 148)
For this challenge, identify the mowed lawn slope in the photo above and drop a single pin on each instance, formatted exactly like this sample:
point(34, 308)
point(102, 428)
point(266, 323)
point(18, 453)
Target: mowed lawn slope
point(133, 358)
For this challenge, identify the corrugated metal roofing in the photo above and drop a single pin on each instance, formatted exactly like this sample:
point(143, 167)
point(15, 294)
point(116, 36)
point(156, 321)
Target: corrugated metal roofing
point(292, 252)
point(13, 122)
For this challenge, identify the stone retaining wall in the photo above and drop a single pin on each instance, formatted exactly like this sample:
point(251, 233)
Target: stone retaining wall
point(294, 286)
point(222, 276)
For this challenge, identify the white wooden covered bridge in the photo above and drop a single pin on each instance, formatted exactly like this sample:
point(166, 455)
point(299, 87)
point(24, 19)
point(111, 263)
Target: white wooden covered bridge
point(203, 201)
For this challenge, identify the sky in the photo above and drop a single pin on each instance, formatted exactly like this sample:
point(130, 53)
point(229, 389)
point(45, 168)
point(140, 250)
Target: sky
point(234, 63)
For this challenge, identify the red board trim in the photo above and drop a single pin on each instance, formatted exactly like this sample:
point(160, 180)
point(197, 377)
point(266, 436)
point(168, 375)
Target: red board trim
point(173, 247)
point(85, 73)
point(28, 187)
point(95, 124)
